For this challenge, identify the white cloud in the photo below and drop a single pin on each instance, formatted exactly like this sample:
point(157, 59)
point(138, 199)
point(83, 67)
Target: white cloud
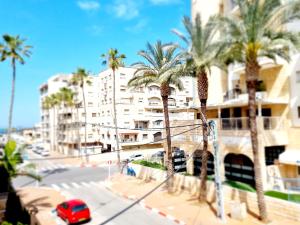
point(138, 27)
point(126, 9)
point(164, 2)
point(95, 30)
point(88, 5)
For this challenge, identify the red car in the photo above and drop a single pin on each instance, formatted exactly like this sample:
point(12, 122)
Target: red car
point(73, 211)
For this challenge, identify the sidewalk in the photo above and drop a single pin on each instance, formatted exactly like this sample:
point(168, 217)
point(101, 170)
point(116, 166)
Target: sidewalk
point(179, 205)
point(39, 202)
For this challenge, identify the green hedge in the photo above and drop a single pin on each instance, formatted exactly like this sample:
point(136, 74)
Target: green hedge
point(283, 196)
point(150, 164)
point(239, 185)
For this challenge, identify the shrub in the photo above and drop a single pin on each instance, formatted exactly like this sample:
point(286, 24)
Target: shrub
point(239, 185)
point(150, 164)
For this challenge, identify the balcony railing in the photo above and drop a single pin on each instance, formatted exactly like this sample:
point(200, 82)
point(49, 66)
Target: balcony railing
point(269, 123)
point(233, 94)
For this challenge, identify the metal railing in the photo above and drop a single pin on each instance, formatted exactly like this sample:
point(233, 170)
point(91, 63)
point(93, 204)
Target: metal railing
point(243, 123)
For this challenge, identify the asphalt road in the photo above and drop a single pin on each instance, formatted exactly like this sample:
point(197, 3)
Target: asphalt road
point(88, 185)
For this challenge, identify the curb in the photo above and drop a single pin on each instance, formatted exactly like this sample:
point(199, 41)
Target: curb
point(142, 203)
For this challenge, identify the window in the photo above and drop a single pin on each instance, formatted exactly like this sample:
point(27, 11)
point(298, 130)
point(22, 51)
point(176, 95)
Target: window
point(90, 104)
point(94, 114)
point(299, 170)
point(272, 153)
point(90, 135)
point(298, 76)
point(122, 89)
point(145, 136)
point(83, 114)
point(298, 111)
point(140, 99)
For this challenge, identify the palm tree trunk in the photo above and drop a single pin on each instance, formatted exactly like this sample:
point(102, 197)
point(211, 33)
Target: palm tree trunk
point(54, 128)
point(12, 99)
point(202, 83)
point(165, 89)
point(85, 123)
point(78, 132)
point(252, 72)
point(115, 121)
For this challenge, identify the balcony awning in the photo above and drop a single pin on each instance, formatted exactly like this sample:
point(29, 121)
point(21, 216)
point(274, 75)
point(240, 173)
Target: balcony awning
point(291, 157)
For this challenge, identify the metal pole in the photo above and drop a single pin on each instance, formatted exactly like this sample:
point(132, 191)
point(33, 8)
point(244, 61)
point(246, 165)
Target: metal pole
point(109, 163)
point(218, 180)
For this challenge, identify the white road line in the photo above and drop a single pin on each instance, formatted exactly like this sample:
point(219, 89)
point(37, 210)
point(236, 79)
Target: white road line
point(75, 185)
point(85, 184)
point(94, 183)
point(65, 185)
point(57, 188)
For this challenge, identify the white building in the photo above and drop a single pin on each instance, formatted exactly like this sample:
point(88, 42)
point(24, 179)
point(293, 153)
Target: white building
point(139, 113)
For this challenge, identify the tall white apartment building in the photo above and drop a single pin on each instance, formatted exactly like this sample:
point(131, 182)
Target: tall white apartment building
point(64, 127)
point(139, 113)
point(139, 110)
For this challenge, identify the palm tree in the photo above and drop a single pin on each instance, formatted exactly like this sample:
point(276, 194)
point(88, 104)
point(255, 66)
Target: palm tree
point(114, 61)
point(46, 105)
point(80, 78)
point(54, 102)
point(67, 97)
point(202, 53)
point(10, 162)
point(258, 31)
point(161, 67)
point(14, 49)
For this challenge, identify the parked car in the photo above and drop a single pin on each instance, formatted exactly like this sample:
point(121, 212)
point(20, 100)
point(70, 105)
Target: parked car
point(45, 153)
point(178, 152)
point(135, 157)
point(73, 211)
point(159, 154)
point(39, 149)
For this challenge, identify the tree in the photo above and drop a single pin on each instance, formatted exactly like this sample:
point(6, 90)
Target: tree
point(46, 105)
point(14, 49)
point(202, 53)
point(162, 67)
point(259, 31)
point(81, 78)
point(66, 98)
point(10, 162)
point(114, 61)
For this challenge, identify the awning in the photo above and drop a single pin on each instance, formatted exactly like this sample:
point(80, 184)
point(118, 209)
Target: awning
point(291, 157)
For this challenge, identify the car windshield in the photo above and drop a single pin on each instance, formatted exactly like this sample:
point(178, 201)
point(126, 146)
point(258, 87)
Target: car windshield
point(78, 208)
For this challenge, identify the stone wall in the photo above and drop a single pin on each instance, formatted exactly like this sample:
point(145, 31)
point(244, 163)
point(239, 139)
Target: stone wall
point(276, 207)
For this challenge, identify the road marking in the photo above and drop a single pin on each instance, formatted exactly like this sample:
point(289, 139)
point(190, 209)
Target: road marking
point(94, 183)
point(75, 185)
point(65, 185)
point(57, 188)
point(85, 184)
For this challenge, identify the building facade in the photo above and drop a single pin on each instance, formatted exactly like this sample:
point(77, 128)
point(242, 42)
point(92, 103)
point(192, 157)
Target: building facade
point(278, 115)
point(139, 113)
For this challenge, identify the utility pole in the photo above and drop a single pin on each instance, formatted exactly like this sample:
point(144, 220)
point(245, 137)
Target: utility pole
point(218, 180)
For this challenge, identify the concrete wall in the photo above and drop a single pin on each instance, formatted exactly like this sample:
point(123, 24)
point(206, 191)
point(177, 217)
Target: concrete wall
point(276, 207)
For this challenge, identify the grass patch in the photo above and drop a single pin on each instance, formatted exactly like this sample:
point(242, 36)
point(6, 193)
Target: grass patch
point(154, 165)
point(239, 185)
point(283, 196)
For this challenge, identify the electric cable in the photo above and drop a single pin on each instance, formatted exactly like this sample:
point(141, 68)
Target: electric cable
point(93, 154)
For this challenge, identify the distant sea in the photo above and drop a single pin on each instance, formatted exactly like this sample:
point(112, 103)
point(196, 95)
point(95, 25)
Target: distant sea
point(2, 131)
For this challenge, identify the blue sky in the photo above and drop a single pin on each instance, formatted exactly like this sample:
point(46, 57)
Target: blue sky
point(67, 34)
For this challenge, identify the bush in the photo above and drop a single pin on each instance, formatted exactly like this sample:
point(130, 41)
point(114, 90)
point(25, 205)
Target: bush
point(239, 185)
point(283, 196)
point(150, 164)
